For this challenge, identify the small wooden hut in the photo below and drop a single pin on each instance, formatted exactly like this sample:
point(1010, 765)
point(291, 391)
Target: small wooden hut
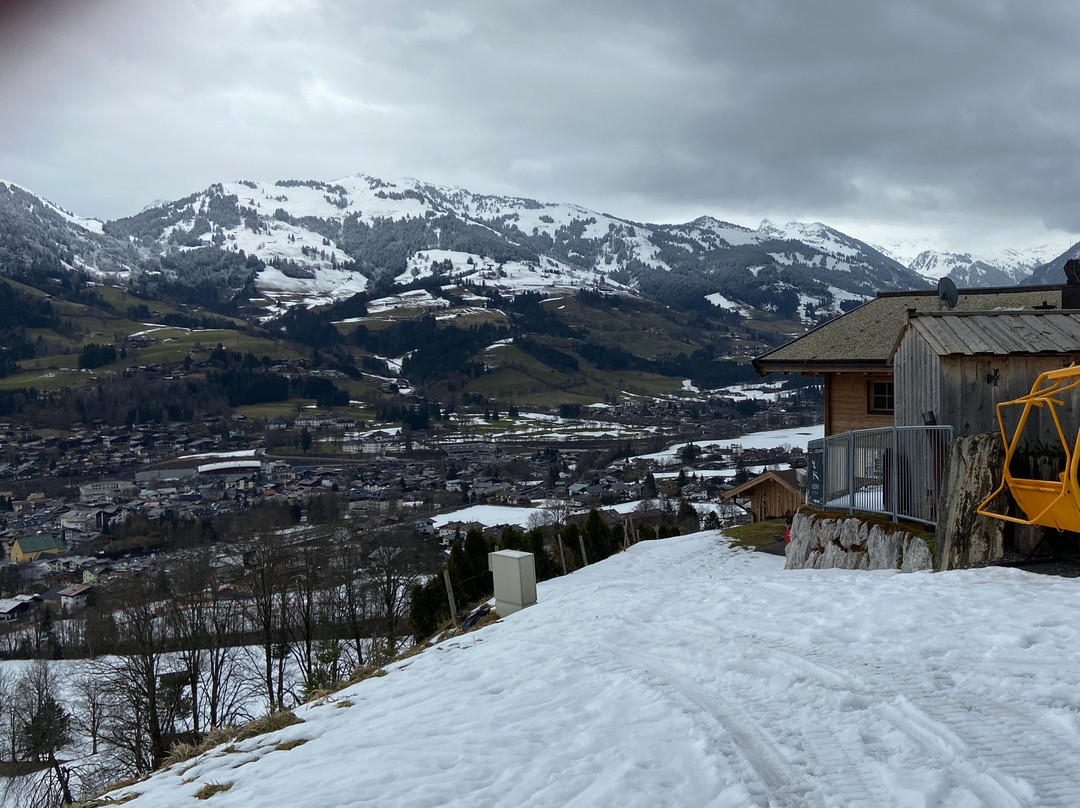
point(770, 495)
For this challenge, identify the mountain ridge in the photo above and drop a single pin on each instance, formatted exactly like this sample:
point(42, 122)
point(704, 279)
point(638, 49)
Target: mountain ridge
point(322, 241)
point(381, 226)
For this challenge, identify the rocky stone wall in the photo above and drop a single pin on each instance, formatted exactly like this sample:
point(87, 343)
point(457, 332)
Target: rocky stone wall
point(822, 541)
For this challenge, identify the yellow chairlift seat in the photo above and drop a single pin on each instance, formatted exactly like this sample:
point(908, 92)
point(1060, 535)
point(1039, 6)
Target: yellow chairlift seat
point(1048, 503)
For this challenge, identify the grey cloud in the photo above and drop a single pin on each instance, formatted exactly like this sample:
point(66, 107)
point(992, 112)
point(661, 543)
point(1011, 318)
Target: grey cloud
point(954, 114)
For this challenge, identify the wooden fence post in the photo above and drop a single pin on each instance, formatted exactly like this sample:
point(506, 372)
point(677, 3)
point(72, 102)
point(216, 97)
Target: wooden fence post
point(562, 555)
point(584, 558)
point(450, 597)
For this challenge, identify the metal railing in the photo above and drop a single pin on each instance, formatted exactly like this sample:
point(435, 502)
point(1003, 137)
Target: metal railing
point(895, 471)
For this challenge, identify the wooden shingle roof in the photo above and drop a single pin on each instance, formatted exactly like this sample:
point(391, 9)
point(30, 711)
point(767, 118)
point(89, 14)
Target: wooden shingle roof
point(865, 337)
point(999, 333)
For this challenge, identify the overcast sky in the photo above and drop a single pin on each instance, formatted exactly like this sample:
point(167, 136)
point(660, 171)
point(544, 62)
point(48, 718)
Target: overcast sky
point(954, 120)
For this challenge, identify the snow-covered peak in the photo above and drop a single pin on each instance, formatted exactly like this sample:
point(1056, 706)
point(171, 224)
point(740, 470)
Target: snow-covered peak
point(157, 203)
point(906, 251)
point(983, 267)
point(795, 231)
point(91, 225)
point(712, 223)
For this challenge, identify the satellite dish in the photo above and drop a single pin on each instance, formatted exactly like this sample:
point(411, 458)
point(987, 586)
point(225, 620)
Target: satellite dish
point(946, 294)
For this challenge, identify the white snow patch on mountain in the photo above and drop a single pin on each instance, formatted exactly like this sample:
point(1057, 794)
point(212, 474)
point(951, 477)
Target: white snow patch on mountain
point(287, 242)
point(327, 286)
point(727, 304)
point(370, 198)
point(510, 276)
point(790, 437)
point(766, 391)
point(813, 234)
point(414, 299)
point(842, 295)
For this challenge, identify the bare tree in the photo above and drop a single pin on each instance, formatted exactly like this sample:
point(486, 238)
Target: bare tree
point(351, 593)
point(394, 564)
point(187, 623)
point(90, 701)
point(265, 580)
point(225, 688)
point(8, 713)
point(146, 693)
point(303, 609)
point(556, 511)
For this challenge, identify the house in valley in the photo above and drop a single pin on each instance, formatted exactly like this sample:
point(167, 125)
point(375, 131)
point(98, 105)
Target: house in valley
point(770, 495)
point(31, 547)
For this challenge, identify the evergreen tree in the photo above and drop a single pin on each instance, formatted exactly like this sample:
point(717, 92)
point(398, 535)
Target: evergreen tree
point(688, 518)
point(648, 489)
point(597, 537)
point(46, 730)
point(476, 548)
point(460, 569)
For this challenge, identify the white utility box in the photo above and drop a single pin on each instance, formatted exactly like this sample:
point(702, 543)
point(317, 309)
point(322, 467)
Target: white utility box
point(515, 580)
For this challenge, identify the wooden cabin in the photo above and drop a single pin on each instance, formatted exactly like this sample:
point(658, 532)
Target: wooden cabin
point(770, 495)
point(955, 367)
point(853, 354)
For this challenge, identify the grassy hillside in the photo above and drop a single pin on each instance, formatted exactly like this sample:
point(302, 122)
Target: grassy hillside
point(448, 344)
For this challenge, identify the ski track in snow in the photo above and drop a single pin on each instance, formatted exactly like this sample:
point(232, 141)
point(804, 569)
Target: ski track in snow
point(689, 673)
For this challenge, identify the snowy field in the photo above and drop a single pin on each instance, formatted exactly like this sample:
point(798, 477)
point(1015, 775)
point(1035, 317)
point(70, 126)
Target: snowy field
point(798, 436)
point(688, 673)
point(488, 515)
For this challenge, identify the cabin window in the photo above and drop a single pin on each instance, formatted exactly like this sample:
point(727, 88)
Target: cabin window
point(880, 398)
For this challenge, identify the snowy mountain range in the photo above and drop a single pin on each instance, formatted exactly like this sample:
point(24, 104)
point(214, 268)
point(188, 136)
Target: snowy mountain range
point(331, 239)
point(311, 242)
point(1001, 268)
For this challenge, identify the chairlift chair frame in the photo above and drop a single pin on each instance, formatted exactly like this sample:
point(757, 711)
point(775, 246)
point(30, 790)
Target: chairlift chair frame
point(1048, 503)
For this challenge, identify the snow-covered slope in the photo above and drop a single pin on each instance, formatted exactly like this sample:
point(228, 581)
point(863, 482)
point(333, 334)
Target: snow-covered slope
point(687, 673)
point(41, 234)
point(90, 225)
point(1053, 271)
point(983, 268)
point(407, 229)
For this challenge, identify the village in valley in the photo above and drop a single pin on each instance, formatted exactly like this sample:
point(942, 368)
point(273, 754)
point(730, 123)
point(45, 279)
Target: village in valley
point(70, 501)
